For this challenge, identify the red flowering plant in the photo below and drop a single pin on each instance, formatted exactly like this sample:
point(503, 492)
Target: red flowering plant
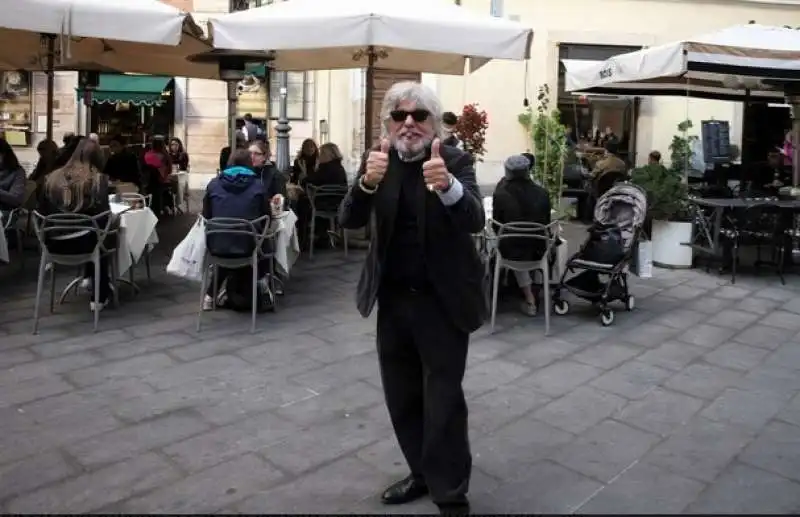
point(471, 130)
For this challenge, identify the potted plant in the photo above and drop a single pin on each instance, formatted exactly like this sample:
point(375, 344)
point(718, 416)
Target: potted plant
point(471, 130)
point(667, 207)
point(549, 141)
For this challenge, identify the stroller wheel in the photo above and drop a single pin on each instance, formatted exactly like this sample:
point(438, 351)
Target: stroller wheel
point(630, 303)
point(561, 307)
point(607, 317)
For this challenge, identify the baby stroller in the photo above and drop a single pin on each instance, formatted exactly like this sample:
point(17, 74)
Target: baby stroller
point(618, 219)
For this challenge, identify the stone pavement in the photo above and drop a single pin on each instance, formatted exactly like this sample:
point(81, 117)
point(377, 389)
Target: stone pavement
point(688, 404)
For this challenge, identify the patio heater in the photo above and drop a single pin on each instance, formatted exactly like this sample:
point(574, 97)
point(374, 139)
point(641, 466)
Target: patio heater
point(232, 69)
point(793, 99)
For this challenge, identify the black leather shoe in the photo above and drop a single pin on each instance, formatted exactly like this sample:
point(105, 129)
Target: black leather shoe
point(405, 491)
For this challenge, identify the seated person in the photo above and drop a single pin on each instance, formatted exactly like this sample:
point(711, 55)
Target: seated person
point(518, 199)
point(157, 169)
point(48, 152)
point(225, 152)
point(12, 179)
point(235, 193)
point(178, 155)
point(158, 158)
point(80, 188)
point(122, 165)
point(609, 163)
point(274, 182)
point(654, 158)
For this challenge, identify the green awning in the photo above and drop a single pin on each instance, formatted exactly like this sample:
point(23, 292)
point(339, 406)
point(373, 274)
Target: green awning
point(139, 90)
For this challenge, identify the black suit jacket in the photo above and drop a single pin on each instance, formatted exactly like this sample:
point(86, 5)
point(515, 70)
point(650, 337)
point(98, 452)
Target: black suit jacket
point(453, 264)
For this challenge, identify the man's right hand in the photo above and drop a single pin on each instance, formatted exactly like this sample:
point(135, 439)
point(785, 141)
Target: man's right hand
point(377, 162)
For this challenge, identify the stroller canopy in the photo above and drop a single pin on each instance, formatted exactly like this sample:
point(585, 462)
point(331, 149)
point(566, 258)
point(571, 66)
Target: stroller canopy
point(624, 206)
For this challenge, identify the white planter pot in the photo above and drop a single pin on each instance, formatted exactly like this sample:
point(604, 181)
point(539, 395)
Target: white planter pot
point(667, 249)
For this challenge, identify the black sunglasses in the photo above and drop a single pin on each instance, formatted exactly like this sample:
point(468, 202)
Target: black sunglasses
point(416, 115)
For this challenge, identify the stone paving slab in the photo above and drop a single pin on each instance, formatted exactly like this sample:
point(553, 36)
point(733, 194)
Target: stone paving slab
point(690, 404)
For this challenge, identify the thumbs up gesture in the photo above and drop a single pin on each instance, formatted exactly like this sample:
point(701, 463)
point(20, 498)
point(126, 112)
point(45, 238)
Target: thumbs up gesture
point(434, 170)
point(377, 162)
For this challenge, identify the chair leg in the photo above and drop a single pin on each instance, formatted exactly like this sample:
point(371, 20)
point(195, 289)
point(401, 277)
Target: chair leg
point(215, 279)
point(273, 284)
point(734, 260)
point(52, 287)
point(254, 294)
point(546, 289)
point(344, 238)
point(203, 284)
point(39, 287)
point(97, 280)
point(495, 287)
point(132, 274)
point(21, 249)
point(311, 236)
point(147, 263)
point(114, 272)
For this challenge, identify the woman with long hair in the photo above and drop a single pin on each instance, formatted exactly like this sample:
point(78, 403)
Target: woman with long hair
point(48, 153)
point(178, 155)
point(12, 178)
point(304, 162)
point(329, 169)
point(80, 188)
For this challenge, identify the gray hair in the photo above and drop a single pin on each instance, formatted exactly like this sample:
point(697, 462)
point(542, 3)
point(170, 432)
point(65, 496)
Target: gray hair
point(422, 95)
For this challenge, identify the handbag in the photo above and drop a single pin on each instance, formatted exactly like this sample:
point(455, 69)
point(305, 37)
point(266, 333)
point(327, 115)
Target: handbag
point(189, 255)
point(605, 245)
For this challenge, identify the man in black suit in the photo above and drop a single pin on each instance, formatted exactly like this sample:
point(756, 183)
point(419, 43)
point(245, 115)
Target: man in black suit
point(425, 274)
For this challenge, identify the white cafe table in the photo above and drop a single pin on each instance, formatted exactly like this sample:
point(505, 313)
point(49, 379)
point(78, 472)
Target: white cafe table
point(138, 231)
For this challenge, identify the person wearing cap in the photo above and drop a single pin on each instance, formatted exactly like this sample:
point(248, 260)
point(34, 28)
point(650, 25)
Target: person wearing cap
point(517, 199)
point(449, 121)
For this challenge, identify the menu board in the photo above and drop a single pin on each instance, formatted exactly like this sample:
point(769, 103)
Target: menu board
point(716, 135)
point(15, 107)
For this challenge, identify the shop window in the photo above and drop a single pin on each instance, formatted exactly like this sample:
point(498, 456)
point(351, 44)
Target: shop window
point(16, 107)
point(243, 5)
point(588, 115)
point(295, 95)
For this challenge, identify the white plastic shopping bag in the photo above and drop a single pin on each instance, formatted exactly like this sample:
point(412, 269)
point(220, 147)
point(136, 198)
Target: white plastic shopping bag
point(188, 256)
point(644, 259)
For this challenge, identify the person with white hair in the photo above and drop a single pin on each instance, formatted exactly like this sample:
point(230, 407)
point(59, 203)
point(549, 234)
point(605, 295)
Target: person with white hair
point(94, 137)
point(424, 273)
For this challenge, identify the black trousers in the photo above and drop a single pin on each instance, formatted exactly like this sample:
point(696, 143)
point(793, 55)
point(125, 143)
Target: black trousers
point(422, 357)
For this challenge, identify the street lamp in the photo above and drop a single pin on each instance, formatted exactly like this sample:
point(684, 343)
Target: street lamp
point(283, 128)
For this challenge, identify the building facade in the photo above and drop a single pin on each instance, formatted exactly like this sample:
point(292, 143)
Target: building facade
point(329, 105)
point(596, 30)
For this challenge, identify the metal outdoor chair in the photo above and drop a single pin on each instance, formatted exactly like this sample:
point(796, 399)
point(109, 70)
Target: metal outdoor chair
point(520, 231)
point(324, 202)
point(260, 231)
point(10, 222)
point(65, 226)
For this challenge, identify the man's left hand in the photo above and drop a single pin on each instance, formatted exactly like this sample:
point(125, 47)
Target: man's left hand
point(437, 178)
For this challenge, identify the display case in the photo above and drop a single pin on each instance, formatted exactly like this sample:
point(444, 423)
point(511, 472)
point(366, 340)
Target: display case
point(16, 108)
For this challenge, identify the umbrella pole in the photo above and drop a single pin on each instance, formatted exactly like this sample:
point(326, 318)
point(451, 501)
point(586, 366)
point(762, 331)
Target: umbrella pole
point(51, 64)
point(232, 97)
point(369, 108)
point(795, 102)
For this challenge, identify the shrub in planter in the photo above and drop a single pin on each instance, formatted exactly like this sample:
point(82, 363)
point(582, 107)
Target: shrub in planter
point(471, 130)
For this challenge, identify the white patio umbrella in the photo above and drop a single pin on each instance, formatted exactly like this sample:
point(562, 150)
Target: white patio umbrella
point(740, 63)
point(432, 36)
point(143, 36)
